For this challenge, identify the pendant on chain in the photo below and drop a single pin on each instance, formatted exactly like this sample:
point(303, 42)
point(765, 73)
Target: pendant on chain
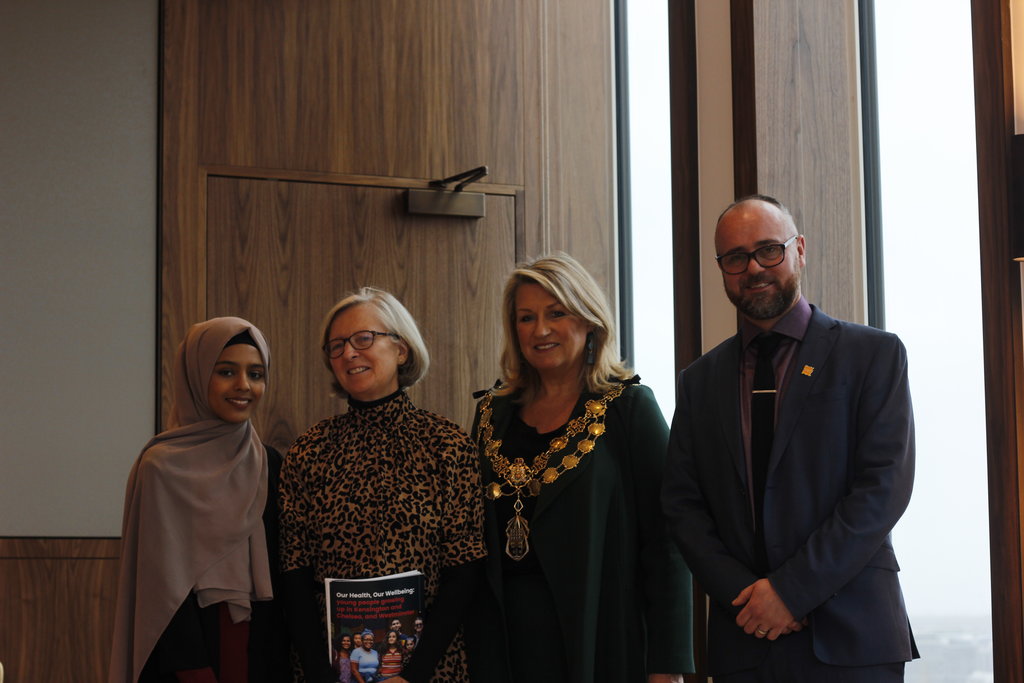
point(517, 531)
point(524, 479)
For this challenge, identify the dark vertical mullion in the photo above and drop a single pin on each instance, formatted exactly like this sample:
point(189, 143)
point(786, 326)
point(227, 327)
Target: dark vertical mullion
point(624, 213)
point(744, 104)
point(682, 43)
point(872, 170)
point(685, 188)
point(158, 292)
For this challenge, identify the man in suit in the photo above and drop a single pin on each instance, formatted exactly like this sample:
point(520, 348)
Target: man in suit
point(788, 530)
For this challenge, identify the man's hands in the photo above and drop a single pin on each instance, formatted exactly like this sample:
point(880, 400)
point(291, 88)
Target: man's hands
point(764, 614)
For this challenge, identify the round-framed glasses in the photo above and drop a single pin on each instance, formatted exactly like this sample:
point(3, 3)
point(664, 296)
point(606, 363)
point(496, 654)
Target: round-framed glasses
point(768, 256)
point(363, 339)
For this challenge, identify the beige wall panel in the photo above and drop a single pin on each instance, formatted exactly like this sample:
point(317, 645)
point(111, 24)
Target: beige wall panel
point(78, 276)
point(808, 140)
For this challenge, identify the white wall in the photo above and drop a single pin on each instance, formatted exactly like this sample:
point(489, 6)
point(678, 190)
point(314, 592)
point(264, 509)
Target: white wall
point(78, 181)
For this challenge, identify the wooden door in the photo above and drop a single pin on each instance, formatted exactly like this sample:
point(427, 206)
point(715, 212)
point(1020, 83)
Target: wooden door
point(281, 253)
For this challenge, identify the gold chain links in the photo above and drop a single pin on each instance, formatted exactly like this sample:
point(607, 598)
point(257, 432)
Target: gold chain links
point(517, 475)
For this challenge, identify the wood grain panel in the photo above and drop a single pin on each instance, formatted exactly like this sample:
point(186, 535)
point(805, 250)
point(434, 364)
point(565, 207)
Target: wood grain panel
point(386, 89)
point(57, 599)
point(1001, 301)
point(578, 135)
point(808, 140)
point(281, 254)
point(376, 87)
point(182, 284)
point(26, 603)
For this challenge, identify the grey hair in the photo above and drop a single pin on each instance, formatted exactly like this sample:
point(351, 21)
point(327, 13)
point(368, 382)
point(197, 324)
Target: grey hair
point(396, 319)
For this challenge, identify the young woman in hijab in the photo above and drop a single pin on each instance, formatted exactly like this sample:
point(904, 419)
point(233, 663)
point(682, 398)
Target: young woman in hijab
point(199, 537)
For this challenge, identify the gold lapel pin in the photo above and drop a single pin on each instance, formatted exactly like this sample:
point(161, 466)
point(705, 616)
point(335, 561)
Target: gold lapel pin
point(807, 371)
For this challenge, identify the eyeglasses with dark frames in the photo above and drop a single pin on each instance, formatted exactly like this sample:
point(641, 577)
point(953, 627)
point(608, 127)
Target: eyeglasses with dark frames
point(768, 256)
point(361, 340)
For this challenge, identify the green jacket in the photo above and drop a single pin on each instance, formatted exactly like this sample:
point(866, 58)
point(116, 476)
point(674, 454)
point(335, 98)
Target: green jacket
point(621, 588)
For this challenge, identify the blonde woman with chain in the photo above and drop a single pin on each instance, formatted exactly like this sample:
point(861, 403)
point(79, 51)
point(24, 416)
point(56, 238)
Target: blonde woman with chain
point(583, 585)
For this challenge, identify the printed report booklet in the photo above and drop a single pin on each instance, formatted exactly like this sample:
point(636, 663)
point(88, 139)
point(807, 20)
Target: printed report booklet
point(374, 624)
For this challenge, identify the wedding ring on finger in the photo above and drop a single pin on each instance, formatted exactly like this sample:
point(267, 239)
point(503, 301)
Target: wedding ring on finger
point(761, 632)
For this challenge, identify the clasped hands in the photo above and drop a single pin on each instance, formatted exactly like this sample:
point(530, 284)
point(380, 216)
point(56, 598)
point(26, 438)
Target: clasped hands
point(764, 614)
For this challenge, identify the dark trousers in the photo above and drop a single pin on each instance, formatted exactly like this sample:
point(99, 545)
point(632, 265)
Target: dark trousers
point(791, 660)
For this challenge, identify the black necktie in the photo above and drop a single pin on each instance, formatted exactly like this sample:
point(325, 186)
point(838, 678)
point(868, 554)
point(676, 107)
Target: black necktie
point(762, 432)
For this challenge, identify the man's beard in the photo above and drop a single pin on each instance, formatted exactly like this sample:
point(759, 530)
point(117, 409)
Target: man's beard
point(766, 306)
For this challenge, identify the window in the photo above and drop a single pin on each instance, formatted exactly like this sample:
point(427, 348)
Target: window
point(932, 298)
point(650, 200)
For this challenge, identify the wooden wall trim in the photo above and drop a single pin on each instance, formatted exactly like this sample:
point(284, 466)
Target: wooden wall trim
point(744, 97)
point(60, 548)
point(1001, 324)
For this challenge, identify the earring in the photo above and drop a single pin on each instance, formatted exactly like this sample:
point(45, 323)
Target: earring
point(590, 349)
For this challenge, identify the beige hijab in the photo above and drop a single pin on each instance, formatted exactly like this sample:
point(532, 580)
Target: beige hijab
point(193, 509)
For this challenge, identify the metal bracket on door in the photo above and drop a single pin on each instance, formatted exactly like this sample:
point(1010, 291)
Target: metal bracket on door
point(444, 202)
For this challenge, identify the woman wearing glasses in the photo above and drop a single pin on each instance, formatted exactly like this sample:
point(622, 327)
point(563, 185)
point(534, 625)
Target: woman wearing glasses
point(383, 488)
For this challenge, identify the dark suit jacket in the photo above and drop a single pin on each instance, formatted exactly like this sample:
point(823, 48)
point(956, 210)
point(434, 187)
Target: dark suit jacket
point(840, 476)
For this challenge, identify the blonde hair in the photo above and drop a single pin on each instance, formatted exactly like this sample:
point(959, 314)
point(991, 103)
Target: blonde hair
point(561, 276)
point(396, 319)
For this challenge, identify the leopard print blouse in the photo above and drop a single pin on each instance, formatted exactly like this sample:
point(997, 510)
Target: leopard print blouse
point(379, 490)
